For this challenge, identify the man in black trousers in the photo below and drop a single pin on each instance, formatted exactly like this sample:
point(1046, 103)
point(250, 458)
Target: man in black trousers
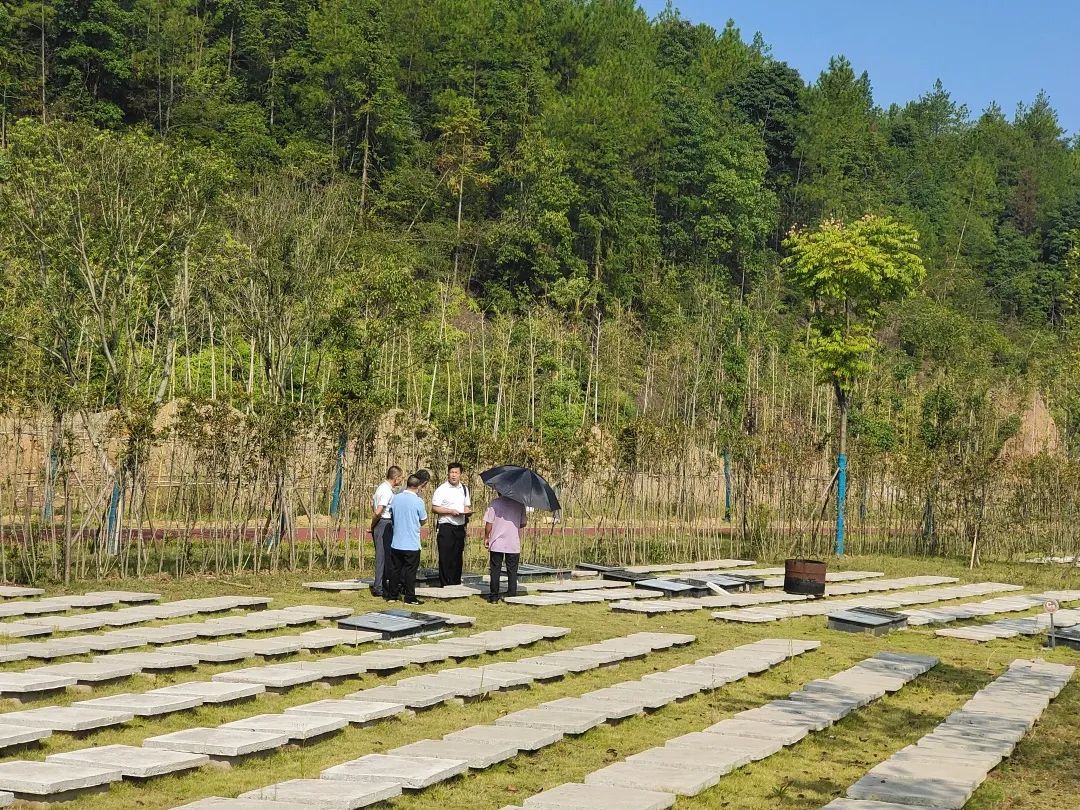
point(452, 503)
point(409, 515)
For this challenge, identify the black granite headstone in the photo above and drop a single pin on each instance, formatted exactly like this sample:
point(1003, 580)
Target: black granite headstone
point(621, 575)
point(1067, 637)
point(388, 625)
point(866, 620)
point(672, 587)
point(597, 567)
point(729, 582)
point(430, 622)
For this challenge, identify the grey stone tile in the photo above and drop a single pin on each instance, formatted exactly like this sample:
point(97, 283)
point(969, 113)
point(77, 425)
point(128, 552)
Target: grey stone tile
point(353, 711)
point(131, 761)
point(566, 721)
point(573, 796)
point(69, 718)
point(412, 773)
point(478, 754)
point(648, 776)
point(42, 780)
point(523, 738)
point(143, 705)
point(213, 692)
point(218, 742)
point(327, 794)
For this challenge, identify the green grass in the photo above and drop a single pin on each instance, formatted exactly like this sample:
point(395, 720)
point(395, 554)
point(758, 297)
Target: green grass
point(1041, 774)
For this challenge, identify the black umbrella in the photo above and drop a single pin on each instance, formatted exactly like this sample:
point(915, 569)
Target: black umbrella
point(522, 485)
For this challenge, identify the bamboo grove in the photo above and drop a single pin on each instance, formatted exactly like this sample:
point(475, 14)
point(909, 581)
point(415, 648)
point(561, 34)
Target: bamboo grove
point(251, 252)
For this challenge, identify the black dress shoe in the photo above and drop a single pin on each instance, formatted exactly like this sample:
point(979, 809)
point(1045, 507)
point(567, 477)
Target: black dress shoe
point(413, 601)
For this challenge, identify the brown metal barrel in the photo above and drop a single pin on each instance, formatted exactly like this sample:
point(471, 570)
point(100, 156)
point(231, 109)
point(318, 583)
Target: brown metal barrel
point(805, 577)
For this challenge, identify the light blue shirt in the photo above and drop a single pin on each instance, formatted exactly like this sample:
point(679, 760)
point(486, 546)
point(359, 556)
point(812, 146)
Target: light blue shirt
point(409, 513)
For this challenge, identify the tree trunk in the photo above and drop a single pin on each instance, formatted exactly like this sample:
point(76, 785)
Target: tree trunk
point(841, 469)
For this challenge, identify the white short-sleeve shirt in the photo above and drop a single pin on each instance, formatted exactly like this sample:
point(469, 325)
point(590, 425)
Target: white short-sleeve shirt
point(451, 497)
point(384, 494)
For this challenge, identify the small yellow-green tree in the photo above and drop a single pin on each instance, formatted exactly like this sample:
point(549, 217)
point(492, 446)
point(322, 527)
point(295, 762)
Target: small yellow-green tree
point(847, 273)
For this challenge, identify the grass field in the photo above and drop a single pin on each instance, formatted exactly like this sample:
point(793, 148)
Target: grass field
point(1043, 773)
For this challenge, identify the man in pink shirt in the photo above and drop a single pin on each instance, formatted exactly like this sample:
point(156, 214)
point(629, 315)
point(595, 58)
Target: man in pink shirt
point(503, 522)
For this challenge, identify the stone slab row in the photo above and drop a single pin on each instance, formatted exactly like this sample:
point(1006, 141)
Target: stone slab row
point(691, 763)
point(416, 766)
point(945, 767)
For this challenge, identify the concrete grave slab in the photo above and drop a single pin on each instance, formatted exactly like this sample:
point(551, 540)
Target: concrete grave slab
point(752, 747)
point(213, 692)
point(612, 707)
point(295, 726)
point(266, 647)
point(479, 754)
point(333, 637)
point(647, 776)
point(412, 773)
point(127, 597)
point(524, 738)
point(167, 634)
point(856, 804)
point(52, 781)
point(69, 718)
point(545, 630)
point(218, 803)
point(713, 760)
point(105, 642)
point(333, 669)
point(143, 705)
point(17, 591)
point(278, 676)
point(132, 761)
point(327, 794)
point(46, 650)
point(150, 661)
point(12, 735)
point(926, 792)
point(90, 672)
point(213, 653)
point(573, 796)
point(320, 611)
point(338, 585)
point(565, 720)
point(415, 697)
point(353, 711)
point(224, 743)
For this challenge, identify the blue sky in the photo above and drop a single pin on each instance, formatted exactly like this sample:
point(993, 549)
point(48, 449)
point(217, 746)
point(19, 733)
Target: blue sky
point(983, 51)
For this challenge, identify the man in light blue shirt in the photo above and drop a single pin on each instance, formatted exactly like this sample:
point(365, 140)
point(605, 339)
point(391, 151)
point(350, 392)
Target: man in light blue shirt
point(409, 515)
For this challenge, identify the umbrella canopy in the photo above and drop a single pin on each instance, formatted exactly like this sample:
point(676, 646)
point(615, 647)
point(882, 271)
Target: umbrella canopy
point(522, 485)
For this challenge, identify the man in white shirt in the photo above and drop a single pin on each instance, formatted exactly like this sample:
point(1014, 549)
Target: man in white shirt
point(381, 529)
point(453, 505)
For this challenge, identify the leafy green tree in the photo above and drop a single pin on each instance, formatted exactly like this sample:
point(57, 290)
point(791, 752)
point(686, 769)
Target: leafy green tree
point(848, 272)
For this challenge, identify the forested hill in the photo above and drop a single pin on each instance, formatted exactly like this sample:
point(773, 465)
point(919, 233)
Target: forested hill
point(513, 221)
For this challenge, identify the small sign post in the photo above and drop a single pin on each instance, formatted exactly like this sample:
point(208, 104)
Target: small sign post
point(1052, 606)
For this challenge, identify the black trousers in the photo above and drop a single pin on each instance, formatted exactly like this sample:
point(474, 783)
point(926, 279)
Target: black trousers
point(382, 537)
point(495, 571)
point(451, 542)
point(403, 565)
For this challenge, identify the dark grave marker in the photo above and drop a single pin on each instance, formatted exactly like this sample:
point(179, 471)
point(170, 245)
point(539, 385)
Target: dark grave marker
point(531, 571)
point(620, 575)
point(427, 576)
point(672, 587)
point(430, 622)
point(597, 567)
point(388, 625)
point(1068, 637)
point(735, 583)
point(866, 620)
